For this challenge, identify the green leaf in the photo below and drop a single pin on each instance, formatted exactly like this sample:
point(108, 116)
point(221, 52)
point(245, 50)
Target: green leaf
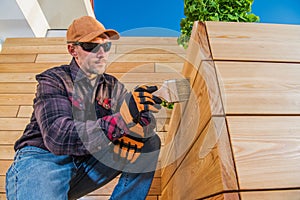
point(213, 10)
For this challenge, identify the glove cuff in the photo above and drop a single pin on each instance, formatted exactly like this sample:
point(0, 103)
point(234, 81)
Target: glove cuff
point(114, 126)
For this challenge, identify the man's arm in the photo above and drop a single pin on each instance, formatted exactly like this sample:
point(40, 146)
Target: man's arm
point(61, 133)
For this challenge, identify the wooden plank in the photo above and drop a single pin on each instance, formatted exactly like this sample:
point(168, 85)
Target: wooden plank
point(15, 88)
point(8, 111)
point(150, 49)
point(16, 58)
point(271, 195)
point(59, 58)
point(198, 50)
point(26, 67)
point(22, 49)
point(259, 88)
point(34, 41)
point(7, 152)
point(17, 77)
point(168, 67)
point(2, 184)
point(9, 137)
point(16, 99)
point(266, 151)
point(208, 73)
point(209, 161)
point(25, 111)
point(13, 124)
point(2, 196)
point(44, 58)
point(275, 43)
point(5, 164)
point(185, 123)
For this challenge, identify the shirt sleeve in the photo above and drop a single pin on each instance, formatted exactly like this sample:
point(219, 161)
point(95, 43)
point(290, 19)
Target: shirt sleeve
point(62, 134)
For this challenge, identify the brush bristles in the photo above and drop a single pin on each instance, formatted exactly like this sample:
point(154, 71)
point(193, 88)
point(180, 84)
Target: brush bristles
point(179, 90)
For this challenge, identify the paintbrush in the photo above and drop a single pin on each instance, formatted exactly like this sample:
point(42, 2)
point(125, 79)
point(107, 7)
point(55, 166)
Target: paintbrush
point(173, 91)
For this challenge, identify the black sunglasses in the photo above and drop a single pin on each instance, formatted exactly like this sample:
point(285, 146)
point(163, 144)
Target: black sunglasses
point(94, 47)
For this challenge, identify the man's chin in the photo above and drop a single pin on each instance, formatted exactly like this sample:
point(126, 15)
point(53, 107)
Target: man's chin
point(100, 69)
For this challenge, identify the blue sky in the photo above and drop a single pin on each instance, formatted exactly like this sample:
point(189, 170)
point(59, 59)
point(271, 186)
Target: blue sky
point(162, 17)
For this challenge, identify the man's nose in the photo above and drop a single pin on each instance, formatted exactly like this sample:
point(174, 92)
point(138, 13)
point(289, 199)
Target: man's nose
point(101, 51)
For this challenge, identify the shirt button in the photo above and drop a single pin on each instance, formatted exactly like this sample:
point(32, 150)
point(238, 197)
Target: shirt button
point(114, 135)
point(122, 132)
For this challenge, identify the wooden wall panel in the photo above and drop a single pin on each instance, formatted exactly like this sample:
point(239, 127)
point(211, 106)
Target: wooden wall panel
point(271, 195)
point(266, 151)
point(208, 167)
point(259, 88)
point(254, 41)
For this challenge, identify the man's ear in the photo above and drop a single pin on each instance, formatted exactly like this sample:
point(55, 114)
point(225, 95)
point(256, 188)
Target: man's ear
point(71, 50)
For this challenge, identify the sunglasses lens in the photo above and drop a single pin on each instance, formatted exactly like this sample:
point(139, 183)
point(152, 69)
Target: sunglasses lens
point(106, 46)
point(90, 47)
point(94, 47)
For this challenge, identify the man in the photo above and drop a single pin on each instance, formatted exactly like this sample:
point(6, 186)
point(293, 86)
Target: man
point(86, 129)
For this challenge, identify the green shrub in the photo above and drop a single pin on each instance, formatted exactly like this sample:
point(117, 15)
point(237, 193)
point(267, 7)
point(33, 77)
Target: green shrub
point(213, 10)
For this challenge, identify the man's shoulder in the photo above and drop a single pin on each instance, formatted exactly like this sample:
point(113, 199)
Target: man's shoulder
point(55, 72)
point(57, 69)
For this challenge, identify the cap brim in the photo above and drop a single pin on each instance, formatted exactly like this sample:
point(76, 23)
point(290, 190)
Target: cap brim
point(112, 34)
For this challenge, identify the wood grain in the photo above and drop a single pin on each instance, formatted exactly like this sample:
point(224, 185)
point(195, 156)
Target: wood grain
point(34, 41)
point(16, 58)
point(168, 67)
point(25, 111)
point(5, 164)
point(271, 195)
point(35, 49)
point(266, 151)
point(9, 111)
point(254, 41)
point(17, 77)
point(259, 88)
point(16, 99)
point(15, 88)
point(209, 161)
point(13, 124)
point(9, 137)
point(6, 152)
point(22, 67)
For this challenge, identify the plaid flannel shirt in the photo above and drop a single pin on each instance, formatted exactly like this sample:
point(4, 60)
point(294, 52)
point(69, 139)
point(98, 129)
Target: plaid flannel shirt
point(69, 114)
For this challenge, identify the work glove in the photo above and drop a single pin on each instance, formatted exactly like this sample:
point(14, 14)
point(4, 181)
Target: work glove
point(137, 107)
point(136, 111)
point(130, 145)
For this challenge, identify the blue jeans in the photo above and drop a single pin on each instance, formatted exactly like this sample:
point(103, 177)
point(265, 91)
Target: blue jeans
point(38, 174)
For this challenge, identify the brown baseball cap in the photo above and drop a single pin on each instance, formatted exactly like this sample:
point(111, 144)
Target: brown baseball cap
point(87, 28)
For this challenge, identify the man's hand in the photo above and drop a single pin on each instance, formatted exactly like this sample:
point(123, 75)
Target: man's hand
point(137, 102)
point(136, 111)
